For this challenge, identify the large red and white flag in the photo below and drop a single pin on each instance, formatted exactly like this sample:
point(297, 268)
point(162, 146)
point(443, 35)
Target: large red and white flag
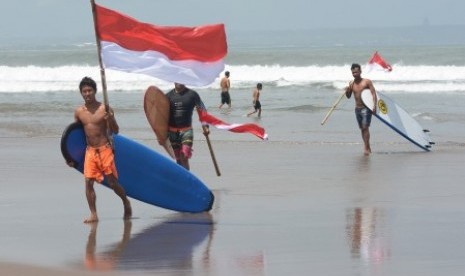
point(206, 118)
point(376, 62)
point(188, 55)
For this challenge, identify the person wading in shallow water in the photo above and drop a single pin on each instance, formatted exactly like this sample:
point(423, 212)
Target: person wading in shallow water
point(225, 86)
point(256, 100)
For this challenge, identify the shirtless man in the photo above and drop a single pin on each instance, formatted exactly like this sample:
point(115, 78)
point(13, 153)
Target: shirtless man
point(225, 85)
point(256, 100)
point(362, 113)
point(99, 158)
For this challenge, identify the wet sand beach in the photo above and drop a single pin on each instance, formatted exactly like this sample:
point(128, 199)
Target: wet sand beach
point(305, 202)
point(281, 208)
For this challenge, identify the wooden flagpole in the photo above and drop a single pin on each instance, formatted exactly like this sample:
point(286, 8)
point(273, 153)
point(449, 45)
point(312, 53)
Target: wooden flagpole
point(351, 84)
point(212, 154)
point(102, 71)
point(99, 49)
point(332, 108)
point(217, 169)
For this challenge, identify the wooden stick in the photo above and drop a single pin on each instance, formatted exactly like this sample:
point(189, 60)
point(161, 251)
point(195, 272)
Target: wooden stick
point(332, 108)
point(102, 70)
point(212, 154)
point(99, 48)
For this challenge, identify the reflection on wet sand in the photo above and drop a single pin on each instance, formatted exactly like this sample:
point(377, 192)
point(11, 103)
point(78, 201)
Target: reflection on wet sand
point(165, 245)
point(172, 245)
point(365, 232)
point(182, 243)
point(106, 261)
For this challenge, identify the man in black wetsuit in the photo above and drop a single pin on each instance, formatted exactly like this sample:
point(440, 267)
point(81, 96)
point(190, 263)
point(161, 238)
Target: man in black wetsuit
point(182, 103)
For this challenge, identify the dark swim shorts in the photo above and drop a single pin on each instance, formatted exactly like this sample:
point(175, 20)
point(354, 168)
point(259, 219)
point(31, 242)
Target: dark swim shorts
point(363, 116)
point(225, 98)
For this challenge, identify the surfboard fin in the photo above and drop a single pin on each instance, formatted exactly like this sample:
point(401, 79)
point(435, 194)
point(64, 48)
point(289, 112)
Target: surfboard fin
point(432, 143)
point(425, 130)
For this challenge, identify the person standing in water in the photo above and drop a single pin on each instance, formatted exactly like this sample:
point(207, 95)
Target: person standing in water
point(256, 101)
point(225, 86)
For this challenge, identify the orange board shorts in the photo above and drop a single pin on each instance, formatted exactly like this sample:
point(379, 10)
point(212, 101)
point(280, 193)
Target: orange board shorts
point(98, 162)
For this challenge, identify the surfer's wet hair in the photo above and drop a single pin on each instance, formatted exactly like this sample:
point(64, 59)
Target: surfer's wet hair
point(87, 81)
point(355, 65)
point(259, 85)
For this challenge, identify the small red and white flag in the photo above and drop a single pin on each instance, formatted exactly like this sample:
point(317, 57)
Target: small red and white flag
point(187, 55)
point(376, 62)
point(206, 118)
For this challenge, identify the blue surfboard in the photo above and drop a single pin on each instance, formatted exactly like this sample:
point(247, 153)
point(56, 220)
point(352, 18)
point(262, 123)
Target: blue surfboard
point(145, 174)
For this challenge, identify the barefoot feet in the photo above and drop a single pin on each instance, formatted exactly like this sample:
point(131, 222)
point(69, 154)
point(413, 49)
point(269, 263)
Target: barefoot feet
point(92, 218)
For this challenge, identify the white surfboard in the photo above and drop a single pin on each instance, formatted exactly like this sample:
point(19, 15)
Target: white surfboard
point(398, 119)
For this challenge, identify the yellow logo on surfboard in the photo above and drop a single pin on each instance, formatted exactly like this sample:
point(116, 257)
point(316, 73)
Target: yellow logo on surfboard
point(382, 107)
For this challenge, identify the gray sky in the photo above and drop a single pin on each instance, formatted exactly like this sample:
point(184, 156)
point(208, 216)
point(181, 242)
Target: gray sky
point(73, 18)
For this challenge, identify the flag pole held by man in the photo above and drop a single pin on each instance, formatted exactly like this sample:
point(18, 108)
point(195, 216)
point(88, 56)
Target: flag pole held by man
point(183, 55)
point(191, 56)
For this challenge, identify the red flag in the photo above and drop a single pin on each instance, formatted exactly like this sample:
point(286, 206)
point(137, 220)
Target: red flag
point(206, 118)
point(378, 63)
point(188, 55)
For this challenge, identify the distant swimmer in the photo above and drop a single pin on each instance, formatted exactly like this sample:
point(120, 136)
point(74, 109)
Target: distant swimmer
point(256, 100)
point(225, 86)
point(97, 121)
point(362, 113)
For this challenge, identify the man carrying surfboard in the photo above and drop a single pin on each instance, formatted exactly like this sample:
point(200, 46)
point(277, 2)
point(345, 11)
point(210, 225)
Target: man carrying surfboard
point(182, 103)
point(97, 121)
point(362, 113)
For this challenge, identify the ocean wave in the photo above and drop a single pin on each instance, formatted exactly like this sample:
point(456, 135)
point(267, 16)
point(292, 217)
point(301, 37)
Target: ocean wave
point(424, 78)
